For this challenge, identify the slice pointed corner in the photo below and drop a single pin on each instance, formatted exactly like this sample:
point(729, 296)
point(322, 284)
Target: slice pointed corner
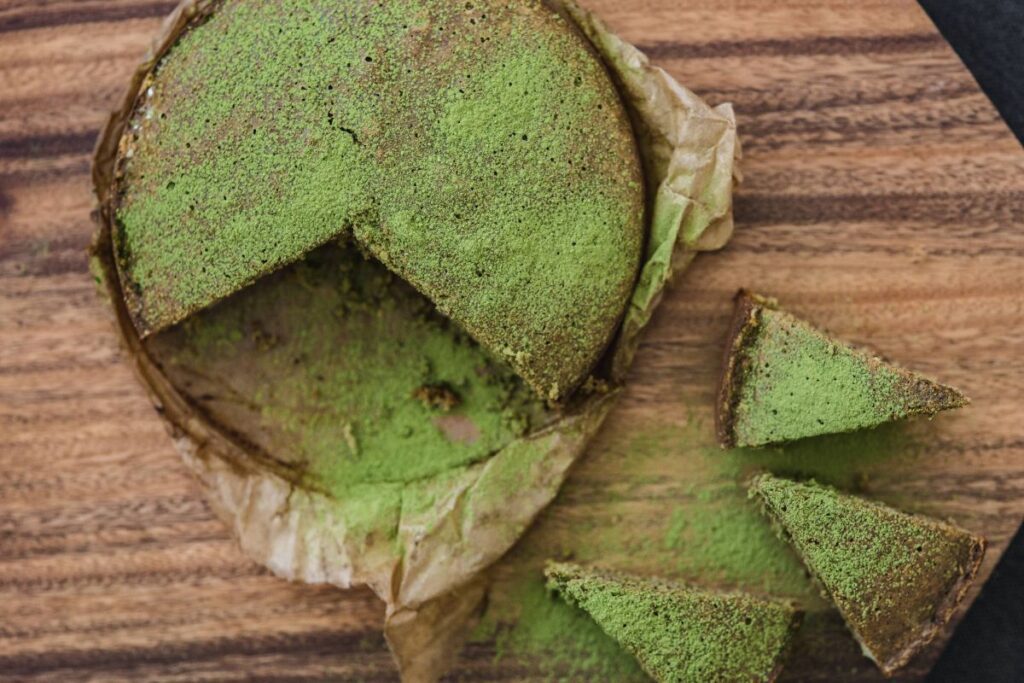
point(478, 150)
point(680, 633)
point(784, 379)
point(896, 578)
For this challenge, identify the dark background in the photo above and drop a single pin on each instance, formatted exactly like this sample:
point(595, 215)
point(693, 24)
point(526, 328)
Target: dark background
point(989, 37)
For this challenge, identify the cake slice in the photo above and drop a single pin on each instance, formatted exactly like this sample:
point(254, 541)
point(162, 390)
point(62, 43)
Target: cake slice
point(784, 379)
point(896, 578)
point(681, 633)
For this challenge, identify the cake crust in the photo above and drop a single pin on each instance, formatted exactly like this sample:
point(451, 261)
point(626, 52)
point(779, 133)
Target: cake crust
point(742, 325)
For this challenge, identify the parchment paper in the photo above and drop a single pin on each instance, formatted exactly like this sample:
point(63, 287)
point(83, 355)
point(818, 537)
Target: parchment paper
point(430, 578)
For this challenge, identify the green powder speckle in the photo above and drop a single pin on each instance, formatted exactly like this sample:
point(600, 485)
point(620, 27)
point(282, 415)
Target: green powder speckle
point(796, 382)
point(371, 513)
point(721, 536)
point(661, 498)
point(799, 383)
point(215, 193)
point(836, 459)
point(560, 637)
point(725, 541)
point(885, 570)
point(331, 386)
point(678, 633)
point(481, 153)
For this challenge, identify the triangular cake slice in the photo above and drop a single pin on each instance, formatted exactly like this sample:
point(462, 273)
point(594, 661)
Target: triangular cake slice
point(896, 578)
point(784, 379)
point(679, 633)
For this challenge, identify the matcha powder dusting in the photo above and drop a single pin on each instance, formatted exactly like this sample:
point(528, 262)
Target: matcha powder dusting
point(681, 634)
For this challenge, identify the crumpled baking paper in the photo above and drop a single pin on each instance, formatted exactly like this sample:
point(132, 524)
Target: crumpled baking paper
point(430, 579)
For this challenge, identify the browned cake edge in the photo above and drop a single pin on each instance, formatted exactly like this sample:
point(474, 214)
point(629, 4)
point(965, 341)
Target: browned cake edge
point(741, 329)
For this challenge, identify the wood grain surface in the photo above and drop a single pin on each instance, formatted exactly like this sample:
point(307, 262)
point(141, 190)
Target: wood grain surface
point(883, 197)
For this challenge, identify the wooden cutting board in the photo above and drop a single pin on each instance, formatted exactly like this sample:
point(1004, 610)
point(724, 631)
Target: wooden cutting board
point(883, 198)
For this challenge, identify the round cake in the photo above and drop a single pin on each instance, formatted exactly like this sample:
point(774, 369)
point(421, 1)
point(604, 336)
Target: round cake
point(477, 150)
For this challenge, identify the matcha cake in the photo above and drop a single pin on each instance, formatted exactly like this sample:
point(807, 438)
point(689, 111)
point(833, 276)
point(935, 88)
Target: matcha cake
point(476, 149)
point(680, 633)
point(784, 379)
point(896, 578)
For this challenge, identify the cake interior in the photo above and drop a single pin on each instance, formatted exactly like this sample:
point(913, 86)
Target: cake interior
point(342, 372)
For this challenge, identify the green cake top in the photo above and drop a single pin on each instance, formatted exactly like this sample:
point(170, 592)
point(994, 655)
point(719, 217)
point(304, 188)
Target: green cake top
point(896, 578)
point(479, 150)
point(680, 633)
point(784, 379)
